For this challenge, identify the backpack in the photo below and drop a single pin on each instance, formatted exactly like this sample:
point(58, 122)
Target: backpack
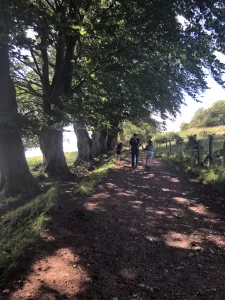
point(134, 141)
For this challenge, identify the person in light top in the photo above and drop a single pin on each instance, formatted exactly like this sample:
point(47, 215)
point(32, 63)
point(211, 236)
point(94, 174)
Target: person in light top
point(150, 154)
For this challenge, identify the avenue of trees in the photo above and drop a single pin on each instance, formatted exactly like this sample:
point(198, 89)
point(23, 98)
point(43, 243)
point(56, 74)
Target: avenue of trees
point(96, 65)
point(212, 116)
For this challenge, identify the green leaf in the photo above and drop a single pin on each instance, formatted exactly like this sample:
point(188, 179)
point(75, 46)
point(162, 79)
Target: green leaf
point(83, 32)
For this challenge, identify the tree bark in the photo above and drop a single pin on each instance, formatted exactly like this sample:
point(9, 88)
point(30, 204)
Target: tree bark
point(111, 141)
point(15, 177)
point(96, 144)
point(84, 145)
point(51, 144)
point(103, 141)
point(99, 140)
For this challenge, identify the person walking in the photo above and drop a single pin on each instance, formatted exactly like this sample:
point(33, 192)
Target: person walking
point(150, 154)
point(119, 148)
point(134, 143)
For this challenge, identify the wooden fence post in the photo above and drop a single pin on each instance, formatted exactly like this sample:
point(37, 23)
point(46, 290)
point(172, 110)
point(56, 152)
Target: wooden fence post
point(211, 158)
point(199, 153)
point(224, 155)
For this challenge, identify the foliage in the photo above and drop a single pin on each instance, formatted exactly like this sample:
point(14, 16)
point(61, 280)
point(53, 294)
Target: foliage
point(168, 137)
point(20, 231)
point(143, 129)
point(122, 57)
point(192, 142)
point(213, 116)
point(184, 126)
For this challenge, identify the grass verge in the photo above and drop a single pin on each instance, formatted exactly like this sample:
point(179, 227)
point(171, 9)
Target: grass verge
point(87, 185)
point(215, 177)
point(20, 231)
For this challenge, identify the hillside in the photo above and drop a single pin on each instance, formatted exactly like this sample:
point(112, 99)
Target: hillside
point(203, 131)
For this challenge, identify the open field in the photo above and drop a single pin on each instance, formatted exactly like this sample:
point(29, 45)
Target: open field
point(34, 161)
point(218, 130)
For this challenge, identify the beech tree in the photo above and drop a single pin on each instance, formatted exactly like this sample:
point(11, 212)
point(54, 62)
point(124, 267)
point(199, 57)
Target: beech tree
point(137, 53)
point(15, 177)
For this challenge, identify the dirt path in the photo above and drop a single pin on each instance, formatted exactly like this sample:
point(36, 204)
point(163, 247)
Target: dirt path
point(142, 235)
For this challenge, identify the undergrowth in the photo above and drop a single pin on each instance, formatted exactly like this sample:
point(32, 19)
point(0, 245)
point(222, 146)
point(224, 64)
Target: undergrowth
point(20, 231)
point(88, 184)
point(213, 176)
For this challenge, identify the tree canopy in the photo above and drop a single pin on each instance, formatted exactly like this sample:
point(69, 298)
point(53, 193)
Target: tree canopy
point(100, 64)
point(133, 53)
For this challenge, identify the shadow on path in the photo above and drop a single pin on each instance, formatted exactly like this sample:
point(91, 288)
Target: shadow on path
point(142, 235)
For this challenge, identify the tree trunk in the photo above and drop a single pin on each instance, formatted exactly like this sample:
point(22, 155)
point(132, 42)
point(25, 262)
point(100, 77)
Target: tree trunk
point(111, 141)
point(103, 141)
point(211, 157)
point(51, 144)
point(15, 177)
point(99, 140)
point(96, 144)
point(84, 145)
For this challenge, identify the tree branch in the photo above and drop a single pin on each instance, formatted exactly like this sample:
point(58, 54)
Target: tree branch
point(36, 63)
point(76, 88)
point(29, 66)
point(50, 5)
point(28, 89)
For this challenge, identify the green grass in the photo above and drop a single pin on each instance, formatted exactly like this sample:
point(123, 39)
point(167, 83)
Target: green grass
point(183, 160)
point(215, 176)
point(20, 231)
point(70, 158)
point(87, 185)
point(176, 149)
point(34, 161)
point(204, 131)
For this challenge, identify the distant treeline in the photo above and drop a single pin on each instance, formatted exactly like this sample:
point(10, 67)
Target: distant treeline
point(213, 116)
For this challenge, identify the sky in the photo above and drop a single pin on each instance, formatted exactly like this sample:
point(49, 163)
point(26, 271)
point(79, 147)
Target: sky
point(214, 93)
